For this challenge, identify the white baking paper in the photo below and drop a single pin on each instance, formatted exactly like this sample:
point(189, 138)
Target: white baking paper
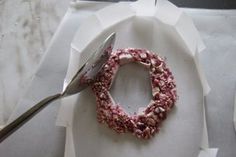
point(147, 33)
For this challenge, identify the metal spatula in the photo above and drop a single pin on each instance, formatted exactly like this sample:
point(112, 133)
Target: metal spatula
point(89, 70)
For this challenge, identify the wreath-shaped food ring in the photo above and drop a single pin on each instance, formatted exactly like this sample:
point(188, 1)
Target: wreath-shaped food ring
point(146, 124)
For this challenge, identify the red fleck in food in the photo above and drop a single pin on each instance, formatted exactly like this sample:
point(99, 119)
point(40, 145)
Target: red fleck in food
point(147, 123)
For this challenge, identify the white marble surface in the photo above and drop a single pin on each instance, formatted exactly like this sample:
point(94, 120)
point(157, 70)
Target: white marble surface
point(26, 27)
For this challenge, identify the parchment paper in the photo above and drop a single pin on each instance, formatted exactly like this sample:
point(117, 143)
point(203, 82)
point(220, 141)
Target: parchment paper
point(163, 35)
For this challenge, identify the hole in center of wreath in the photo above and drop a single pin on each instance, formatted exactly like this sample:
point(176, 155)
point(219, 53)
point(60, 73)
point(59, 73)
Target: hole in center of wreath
point(131, 88)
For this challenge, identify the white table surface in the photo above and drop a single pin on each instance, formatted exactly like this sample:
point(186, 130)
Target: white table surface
point(38, 138)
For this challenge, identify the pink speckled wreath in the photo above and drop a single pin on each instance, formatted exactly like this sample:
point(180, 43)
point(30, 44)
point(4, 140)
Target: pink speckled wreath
point(146, 124)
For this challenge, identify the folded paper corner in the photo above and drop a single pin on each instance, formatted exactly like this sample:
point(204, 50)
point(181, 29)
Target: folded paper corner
point(208, 152)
